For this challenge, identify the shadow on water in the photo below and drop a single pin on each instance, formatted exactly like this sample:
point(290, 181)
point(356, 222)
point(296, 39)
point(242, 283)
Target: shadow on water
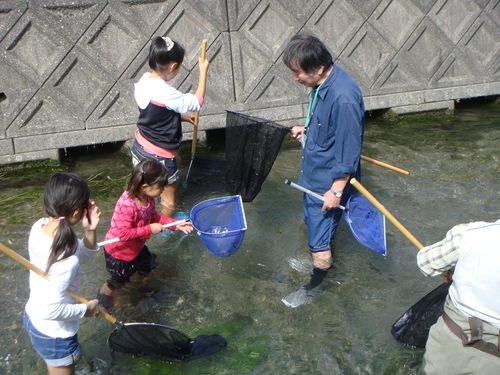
point(454, 164)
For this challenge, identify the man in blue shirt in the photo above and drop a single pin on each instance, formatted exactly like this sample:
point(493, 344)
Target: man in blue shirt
point(331, 142)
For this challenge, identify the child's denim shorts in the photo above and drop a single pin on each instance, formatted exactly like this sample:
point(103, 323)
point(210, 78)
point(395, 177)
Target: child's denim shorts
point(138, 153)
point(56, 352)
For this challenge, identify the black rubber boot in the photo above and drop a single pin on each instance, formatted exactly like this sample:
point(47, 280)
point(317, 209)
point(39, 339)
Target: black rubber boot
point(317, 277)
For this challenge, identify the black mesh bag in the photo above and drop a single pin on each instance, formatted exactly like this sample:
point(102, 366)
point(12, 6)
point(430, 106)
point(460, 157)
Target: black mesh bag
point(252, 145)
point(412, 328)
point(156, 340)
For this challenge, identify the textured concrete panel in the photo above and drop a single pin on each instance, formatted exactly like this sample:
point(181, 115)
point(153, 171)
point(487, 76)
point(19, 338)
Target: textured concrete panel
point(79, 83)
point(111, 41)
point(145, 15)
point(33, 47)
point(366, 56)
point(68, 67)
point(482, 42)
point(336, 23)
point(454, 17)
point(220, 83)
point(427, 48)
point(44, 115)
point(67, 18)
point(10, 13)
point(17, 89)
point(395, 20)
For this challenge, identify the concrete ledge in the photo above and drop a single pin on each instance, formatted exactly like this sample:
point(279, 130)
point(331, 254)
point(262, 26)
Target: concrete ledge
point(449, 106)
point(425, 97)
point(73, 139)
point(29, 156)
point(6, 147)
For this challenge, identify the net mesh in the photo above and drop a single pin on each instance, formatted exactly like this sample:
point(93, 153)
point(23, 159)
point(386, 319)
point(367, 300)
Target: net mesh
point(412, 328)
point(367, 223)
point(252, 145)
point(220, 223)
point(155, 340)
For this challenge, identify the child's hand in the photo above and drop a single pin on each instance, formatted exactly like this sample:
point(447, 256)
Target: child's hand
point(91, 216)
point(185, 227)
point(188, 118)
point(92, 308)
point(203, 65)
point(156, 228)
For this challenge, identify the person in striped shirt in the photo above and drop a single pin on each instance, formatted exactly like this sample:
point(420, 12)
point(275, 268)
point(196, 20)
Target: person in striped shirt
point(465, 339)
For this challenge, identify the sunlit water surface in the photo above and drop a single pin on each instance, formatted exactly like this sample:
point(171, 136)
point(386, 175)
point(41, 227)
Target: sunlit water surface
point(454, 178)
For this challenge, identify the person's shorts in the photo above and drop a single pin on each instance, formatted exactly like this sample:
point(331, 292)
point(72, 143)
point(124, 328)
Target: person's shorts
point(121, 271)
point(56, 352)
point(321, 226)
point(138, 153)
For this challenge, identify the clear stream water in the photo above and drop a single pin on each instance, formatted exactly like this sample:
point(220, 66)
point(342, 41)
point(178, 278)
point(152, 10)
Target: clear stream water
point(454, 165)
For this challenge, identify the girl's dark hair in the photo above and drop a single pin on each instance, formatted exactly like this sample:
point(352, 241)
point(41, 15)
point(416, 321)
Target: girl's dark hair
point(160, 56)
point(148, 171)
point(64, 193)
point(306, 52)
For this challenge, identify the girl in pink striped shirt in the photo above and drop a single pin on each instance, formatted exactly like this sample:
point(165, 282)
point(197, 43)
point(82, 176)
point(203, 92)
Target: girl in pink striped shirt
point(134, 220)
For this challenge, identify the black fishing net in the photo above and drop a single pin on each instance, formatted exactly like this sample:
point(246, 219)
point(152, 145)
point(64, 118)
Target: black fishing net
point(252, 145)
point(155, 340)
point(412, 328)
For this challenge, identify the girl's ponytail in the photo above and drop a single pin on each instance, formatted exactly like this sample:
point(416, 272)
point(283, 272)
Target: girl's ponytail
point(64, 193)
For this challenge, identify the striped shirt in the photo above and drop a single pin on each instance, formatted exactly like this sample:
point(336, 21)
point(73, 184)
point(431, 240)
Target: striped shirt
point(442, 256)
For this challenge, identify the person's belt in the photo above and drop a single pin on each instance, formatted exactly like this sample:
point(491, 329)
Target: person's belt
point(476, 341)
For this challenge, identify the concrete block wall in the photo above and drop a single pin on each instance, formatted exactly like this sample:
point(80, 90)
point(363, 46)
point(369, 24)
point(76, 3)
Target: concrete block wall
point(67, 67)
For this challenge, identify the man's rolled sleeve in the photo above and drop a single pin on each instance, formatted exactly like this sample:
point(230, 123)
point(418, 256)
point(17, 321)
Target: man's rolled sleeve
point(442, 256)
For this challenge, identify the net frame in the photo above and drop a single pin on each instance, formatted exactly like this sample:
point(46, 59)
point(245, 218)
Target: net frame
point(227, 214)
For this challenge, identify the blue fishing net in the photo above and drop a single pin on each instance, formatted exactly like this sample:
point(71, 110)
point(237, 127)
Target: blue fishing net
point(367, 223)
point(220, 223)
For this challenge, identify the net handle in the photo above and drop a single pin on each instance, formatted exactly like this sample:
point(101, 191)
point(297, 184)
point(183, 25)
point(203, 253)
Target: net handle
point(197, 114)
point(387, 214)
point(24, 262)
point(379, 163)
point(385, 165)
point(310, 192)
point(117, 239)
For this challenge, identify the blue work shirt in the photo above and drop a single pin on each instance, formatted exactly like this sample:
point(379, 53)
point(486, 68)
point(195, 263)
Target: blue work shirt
point(334, 136)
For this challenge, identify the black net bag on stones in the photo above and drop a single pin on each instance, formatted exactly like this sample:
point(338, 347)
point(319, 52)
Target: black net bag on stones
point(166, 343)
point(252, 145)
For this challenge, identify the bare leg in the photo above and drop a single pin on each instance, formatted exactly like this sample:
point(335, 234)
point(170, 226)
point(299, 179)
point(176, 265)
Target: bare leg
point(322, 259)
point(107, 296)
point(63, 370)
point(168, 200)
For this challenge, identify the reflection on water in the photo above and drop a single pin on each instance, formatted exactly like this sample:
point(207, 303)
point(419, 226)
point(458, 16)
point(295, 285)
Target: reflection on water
point(345, 329)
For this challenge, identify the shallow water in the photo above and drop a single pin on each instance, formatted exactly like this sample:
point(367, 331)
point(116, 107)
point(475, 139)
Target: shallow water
point(454, 178)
